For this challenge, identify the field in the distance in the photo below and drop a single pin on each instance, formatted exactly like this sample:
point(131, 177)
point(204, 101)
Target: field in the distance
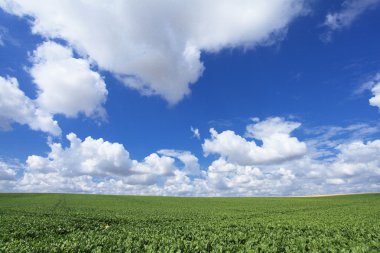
point(72, 223)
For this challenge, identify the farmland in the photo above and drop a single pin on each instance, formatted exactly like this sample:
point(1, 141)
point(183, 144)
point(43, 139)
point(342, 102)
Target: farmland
point(100, 223)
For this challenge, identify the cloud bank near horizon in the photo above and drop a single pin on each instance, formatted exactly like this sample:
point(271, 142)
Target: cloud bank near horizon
point(326, 163)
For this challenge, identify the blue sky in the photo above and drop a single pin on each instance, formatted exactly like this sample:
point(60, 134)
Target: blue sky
point(305, 73)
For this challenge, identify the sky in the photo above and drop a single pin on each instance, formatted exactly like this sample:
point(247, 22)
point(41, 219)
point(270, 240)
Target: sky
point(190, 98)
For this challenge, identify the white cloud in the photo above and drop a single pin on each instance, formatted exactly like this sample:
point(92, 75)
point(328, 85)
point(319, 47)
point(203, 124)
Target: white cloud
point(277, 144)
point(375, 100)
point(8, 175)
point(351, 10)
point(358, 159)
point(153, 46)
point(88, 157)
point(6, 172)
point(195, 132)
point(6, 37)
point(66, 85)
point(98, 166)
point(3, 33)
point(337, 161)
point(339, 164)
point(322, 141)
point(224, 178)
point(90, 165)
point(154, 164)
point(190, 162)
point(261, 130)
point(347, 166)
point(15, 107)
point(373, 85)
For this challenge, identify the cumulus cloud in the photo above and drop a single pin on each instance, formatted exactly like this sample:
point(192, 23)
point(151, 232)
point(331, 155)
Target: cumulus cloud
point(338, 161)
point(87, 157)
point(375, 100)
point(190, 162)
point(225, 178)
point(16, 107)
point(67, 85)
point(8, 174)
point(274, 133)
point(96, 165)
point(358, 157)
point(155, 47)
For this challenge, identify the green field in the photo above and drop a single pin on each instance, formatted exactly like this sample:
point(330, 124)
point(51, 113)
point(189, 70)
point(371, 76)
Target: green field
point(98, 223)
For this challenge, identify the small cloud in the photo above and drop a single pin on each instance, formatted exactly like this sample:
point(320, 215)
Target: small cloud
point(372, 85)
point(375, 100)
point(367, 86)
point(255, 119)
point(1, 37)
point(195, 132)
point(6, 38)
point(326, 37)
point(350, 11)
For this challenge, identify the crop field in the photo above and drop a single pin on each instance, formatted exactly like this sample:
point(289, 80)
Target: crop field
point(99, 223)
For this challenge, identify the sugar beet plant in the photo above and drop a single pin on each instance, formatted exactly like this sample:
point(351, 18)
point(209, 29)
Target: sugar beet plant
point(96, 223)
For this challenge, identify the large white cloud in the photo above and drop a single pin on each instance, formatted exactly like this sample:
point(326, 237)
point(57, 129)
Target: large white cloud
point(337, 161)
point(155, 46)
point(16, 107)
point(88, 157)
point(91, 165)
point(277, 144)
point(224, 178)
point(356, 158)
point(66, 85)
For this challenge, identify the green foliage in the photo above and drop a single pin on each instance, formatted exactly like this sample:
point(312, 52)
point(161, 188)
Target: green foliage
point(98, 223)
